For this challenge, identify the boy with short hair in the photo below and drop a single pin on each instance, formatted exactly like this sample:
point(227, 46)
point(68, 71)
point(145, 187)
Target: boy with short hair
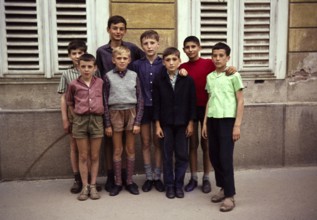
point(123, 113)
point(222, 123)
point(84, 97)
point(75, 48)
point(174, 111)
point(198, 68)
point(117, 28)
point(147, 68)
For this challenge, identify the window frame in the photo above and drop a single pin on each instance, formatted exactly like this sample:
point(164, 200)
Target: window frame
point(96, 13)
point(189, 24)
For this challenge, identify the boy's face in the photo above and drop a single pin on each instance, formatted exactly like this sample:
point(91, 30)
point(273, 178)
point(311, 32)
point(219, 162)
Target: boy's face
point(87, 69)
point(150, 46)
point(121, 60)
point(220, 58)
point(117, 31)
point(192, 50)
point(171, 62)
point(74, 56)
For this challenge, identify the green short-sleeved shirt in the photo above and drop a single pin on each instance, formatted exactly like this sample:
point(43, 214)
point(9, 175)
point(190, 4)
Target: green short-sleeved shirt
point(222, 89)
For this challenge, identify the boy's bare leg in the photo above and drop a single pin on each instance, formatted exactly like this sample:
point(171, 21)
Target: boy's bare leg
point(73, 154)
point(95, 151)
point(83, 147)
point(146, 150)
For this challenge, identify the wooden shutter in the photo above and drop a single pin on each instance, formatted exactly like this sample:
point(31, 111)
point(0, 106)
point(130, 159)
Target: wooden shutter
point(213, 16)
point(70, 23)
point(22, 29)
point(256, 35)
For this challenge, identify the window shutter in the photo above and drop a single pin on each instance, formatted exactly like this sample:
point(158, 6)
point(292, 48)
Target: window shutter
point(214, 19)
point(256, 35)
point(22, 37)
point(70, 23)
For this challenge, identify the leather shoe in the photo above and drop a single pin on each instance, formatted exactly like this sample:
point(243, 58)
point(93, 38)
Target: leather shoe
point(179, 193)
point(115, 190)
point(133, 188)
point(159, 186)
point(147, 186)
point(191, 185)
point(206, 188)
point(110, 182)
point(170, 192)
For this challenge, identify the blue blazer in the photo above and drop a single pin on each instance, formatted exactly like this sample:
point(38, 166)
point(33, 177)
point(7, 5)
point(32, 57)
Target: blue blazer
point(174, 106)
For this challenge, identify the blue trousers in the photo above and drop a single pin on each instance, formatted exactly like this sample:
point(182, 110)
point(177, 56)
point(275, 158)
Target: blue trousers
point(174, 142)
point(221, 147)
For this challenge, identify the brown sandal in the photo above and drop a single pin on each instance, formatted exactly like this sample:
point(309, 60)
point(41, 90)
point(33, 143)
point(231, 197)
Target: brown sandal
point(218, 197)
point(227, 205)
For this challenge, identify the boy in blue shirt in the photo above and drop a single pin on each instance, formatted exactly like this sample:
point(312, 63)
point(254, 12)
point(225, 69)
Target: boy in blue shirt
point(222, 123)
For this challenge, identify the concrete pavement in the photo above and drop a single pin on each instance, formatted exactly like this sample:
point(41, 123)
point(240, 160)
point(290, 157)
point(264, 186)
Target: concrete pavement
point(268, 194)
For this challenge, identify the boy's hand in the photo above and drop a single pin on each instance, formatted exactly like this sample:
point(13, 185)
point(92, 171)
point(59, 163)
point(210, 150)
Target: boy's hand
point(183, 72)
point(136, 129)
point(66, 127)
point(204, 132)
point(189, 129)
point(230, 70)
point(108, 131)
point(236, 133)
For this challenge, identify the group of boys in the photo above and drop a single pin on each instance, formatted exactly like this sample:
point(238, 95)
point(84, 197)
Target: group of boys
point(141, 92)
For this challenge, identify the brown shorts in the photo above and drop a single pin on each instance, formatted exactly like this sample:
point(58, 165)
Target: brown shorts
point(87, 126)
point(122, 120)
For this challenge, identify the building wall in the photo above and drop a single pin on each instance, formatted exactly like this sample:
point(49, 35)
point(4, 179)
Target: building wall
point(280, 118)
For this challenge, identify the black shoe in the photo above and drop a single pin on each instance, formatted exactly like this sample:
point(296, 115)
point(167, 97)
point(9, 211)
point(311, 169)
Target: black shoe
point(110, 182)
point(133, 188)
point(179, 193)
point(147, 186)
point(115, 190)
point(170, 192)
point(206, 187)
point(76, 187)
point(159, 186)
point(191, 185)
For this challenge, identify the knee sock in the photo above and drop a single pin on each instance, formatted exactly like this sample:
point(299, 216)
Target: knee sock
point(205, 177)
point(130, 170)
point(194, 176)
point(157, 173)
point(77, 177)
point(148, 171)
point(117, 172)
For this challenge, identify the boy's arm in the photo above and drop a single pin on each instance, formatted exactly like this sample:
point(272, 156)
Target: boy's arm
point(106, 90)
point(66, 123)
point(239, 115)
point(230, 70)
point(140, 104)
point(204, 129)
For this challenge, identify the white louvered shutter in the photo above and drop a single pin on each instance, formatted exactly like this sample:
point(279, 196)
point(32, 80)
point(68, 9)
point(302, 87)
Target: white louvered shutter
point(69, 22)
point(256, 36)
point(22, 36)
point(214, 23)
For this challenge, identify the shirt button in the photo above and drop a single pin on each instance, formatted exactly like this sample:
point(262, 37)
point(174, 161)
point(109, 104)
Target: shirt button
point(151, 82)
point(151, 74)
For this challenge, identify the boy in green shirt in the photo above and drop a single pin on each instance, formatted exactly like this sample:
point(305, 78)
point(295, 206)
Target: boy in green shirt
point(222, 123)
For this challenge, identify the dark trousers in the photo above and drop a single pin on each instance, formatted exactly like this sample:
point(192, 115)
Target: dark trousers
point(174, 141)
point(221, 147)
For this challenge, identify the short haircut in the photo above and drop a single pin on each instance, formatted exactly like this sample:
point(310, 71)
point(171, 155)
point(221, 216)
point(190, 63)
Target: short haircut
point(220, 45)
point(191, 39)
point(87, 57)
point(120, 50)
point(115, 20)
point(77, 45)
point(171, 51)
point(150, 34)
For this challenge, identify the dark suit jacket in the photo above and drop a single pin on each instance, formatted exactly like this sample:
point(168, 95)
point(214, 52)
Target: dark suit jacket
point(174, 107)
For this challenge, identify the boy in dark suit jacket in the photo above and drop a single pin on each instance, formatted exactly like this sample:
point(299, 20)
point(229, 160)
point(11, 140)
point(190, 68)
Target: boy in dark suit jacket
point(174, 111)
